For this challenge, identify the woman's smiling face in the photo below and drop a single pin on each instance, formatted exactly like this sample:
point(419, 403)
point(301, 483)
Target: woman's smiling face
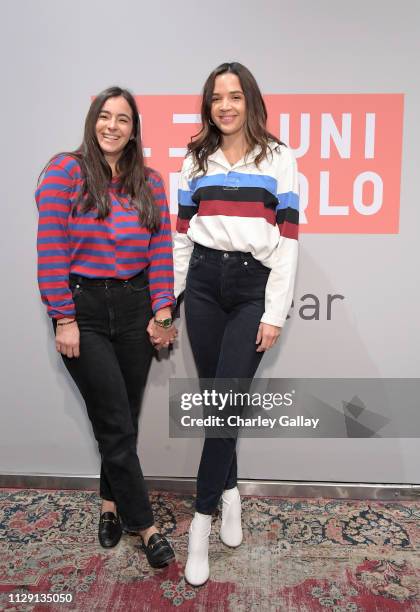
point(228, 107)
point(114, 127)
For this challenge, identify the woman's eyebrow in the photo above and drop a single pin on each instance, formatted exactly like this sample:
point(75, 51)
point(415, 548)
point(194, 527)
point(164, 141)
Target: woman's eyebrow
point(106, 112)
point(235, 91)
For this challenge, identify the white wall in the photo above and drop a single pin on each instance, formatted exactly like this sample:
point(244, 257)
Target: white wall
point(54, 56)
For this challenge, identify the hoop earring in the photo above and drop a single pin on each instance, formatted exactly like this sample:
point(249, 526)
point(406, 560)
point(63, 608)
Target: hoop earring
point(211, 122)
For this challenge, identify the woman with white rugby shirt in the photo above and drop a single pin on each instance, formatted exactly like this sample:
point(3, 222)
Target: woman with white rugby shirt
point(235, 253)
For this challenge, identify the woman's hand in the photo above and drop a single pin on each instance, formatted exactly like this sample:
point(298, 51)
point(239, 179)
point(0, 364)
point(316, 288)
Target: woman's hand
point(159, 337)
point(67, 338)
point(267, 336)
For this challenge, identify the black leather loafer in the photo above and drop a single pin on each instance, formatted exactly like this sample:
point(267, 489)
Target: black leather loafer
point(158, 551)
point(109, 532)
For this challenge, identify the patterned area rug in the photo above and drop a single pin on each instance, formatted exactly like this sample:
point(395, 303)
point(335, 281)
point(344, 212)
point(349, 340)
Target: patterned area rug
point(298, 555)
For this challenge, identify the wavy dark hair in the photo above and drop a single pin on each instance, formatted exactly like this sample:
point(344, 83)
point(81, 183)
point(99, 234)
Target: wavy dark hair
point(209, 138)
point(97, 173)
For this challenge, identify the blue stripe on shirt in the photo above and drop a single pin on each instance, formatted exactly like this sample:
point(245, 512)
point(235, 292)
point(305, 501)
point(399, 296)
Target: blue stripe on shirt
point(184, 198)
point(235, 179)
point(288, 200)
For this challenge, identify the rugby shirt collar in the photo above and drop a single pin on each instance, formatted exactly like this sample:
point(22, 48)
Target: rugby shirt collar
point(218, 157)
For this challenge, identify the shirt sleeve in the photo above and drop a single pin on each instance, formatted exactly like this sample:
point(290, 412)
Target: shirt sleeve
point(161, 276)
point(54, 200)
point(280, 284)
point(183, 245)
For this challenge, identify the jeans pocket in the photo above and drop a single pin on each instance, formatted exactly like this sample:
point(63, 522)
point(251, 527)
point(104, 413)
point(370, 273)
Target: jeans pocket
point(255, 268)
point(76, 290)
point(135, 288)
point(195, 260)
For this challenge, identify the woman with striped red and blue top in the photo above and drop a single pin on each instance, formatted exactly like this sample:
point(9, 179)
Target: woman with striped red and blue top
point(235, 255)
point(105, 273)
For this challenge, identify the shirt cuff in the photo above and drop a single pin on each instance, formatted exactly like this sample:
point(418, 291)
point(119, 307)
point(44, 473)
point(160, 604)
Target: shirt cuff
point(272, 319)
point(163, 303)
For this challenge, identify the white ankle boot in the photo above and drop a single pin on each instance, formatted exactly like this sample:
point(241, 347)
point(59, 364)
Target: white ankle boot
point(197, 568)
point(231, 529)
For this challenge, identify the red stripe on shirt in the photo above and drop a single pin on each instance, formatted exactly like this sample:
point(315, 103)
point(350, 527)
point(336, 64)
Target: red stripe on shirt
point(236, 209)
point(182, 225)
point(289, 230)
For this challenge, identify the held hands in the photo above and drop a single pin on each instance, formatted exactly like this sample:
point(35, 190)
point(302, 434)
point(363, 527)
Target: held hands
point(266, 336)
point(67, 338)
point(159, 336)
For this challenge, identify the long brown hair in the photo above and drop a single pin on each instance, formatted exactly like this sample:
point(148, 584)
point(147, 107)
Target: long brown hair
point(209, 138)
point(97, 173)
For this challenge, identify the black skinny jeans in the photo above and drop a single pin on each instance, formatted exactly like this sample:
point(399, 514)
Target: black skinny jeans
point(224, 302)
point(111, 373)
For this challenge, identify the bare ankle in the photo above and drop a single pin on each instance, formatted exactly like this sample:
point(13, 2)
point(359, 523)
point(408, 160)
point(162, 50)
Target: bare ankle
point(146, 533)
point(108, 506)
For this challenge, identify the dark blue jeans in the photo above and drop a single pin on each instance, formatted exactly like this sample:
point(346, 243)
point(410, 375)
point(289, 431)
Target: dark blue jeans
point(224, 302)
point(111, 373)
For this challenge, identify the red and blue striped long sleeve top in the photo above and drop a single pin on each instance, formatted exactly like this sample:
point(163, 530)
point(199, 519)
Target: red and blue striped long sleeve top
point(116, 247)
